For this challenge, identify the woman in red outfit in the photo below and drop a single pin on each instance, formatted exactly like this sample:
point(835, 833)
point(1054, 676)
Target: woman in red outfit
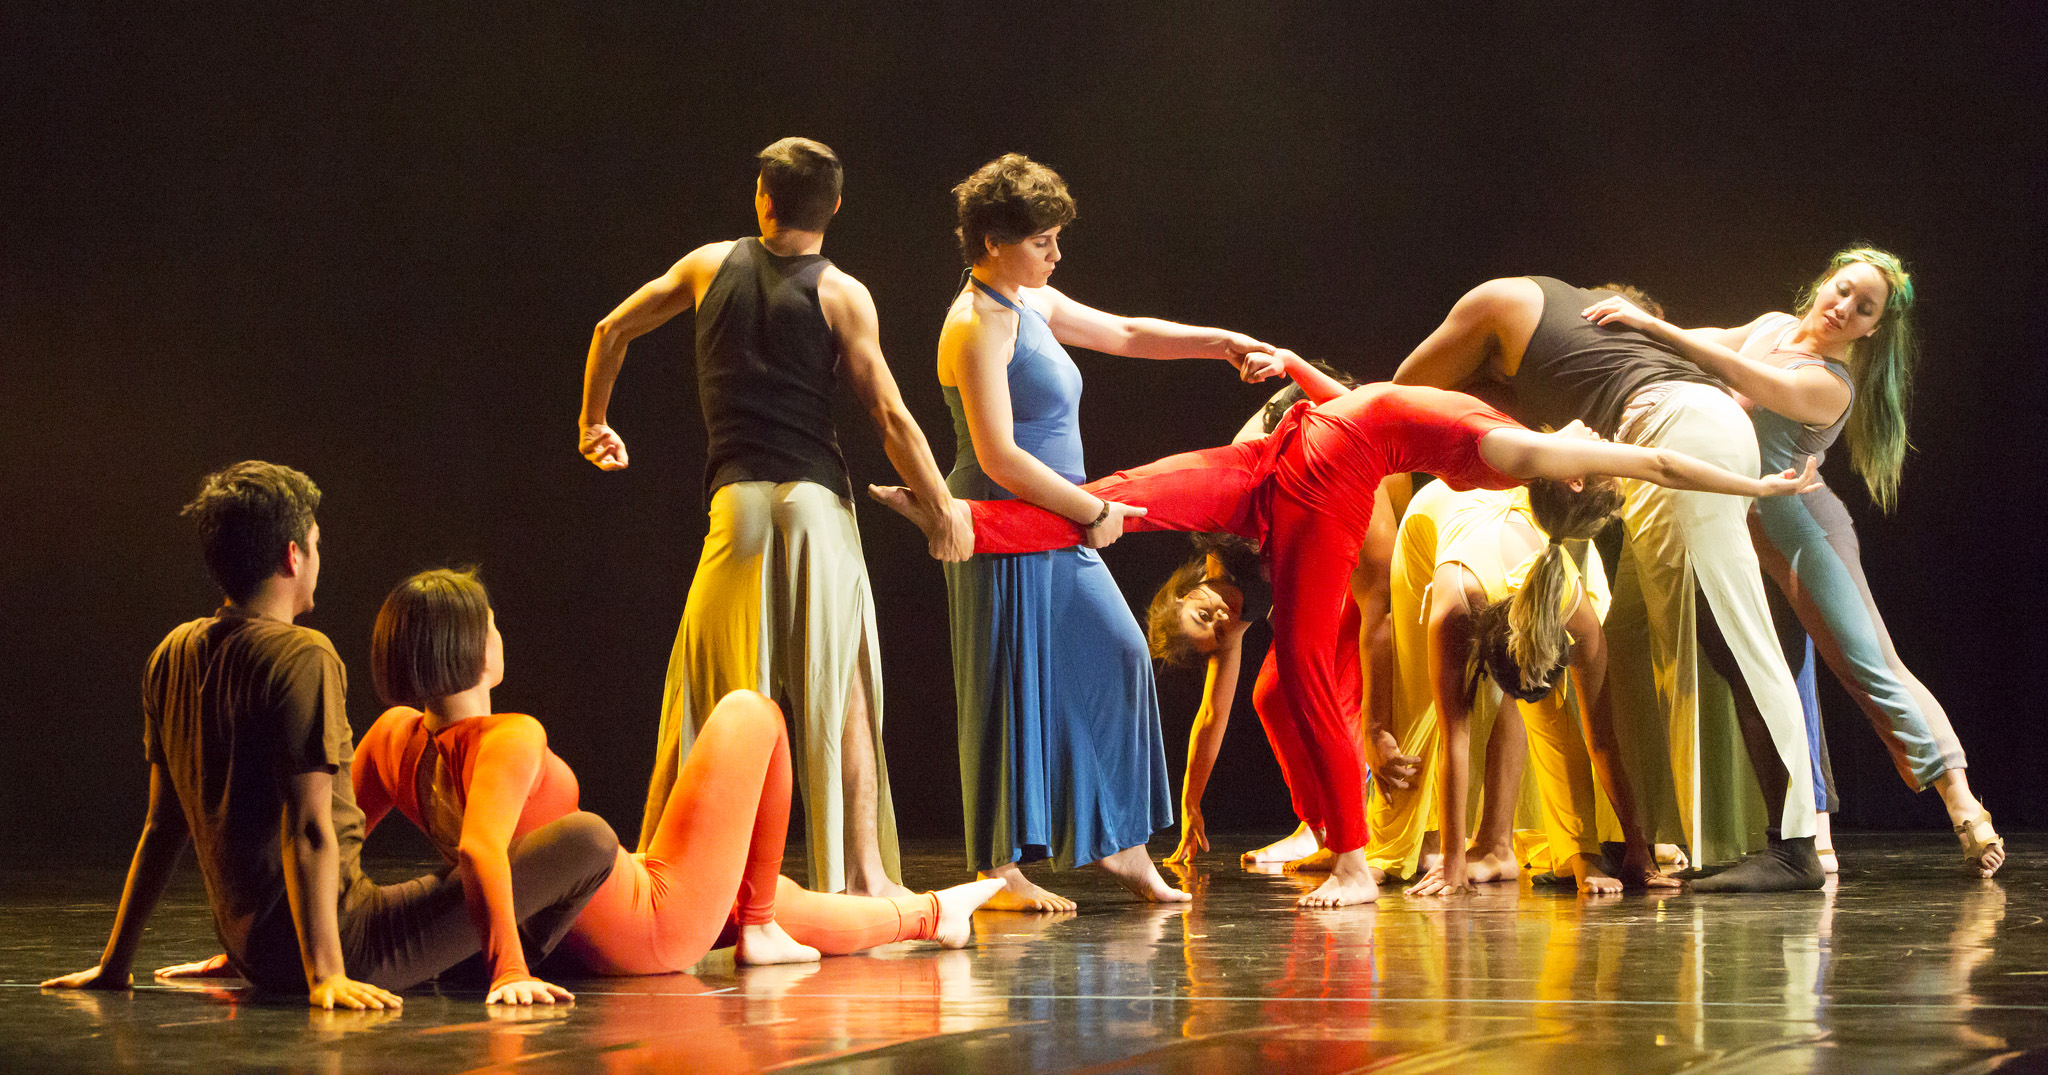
point(1304, 494)
point(474, 781)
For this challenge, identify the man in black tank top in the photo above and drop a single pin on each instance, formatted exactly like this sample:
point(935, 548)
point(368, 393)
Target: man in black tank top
point(1524, 343)
point(780, 601)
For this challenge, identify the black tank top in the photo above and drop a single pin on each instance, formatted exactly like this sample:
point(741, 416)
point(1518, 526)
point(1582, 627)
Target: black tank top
point(767, 367)
point(1577, 369)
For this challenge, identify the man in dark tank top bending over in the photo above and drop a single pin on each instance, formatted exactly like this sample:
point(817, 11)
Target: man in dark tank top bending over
point(1529, 336)
point(780, 602)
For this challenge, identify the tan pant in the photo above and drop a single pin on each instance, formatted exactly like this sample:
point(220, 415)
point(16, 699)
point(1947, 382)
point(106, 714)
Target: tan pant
point(780, 604)
point(1690, 766)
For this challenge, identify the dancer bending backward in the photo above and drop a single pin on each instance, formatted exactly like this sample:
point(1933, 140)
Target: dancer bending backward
point(1528, 332)
point(475, 781)
point(1844, 362)
point(1201, 614)
point(1060, 749)
point(1305, 494)
point(1484, 587)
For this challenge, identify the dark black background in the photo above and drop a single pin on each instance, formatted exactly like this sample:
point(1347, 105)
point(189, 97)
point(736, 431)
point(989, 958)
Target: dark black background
point(371, 245)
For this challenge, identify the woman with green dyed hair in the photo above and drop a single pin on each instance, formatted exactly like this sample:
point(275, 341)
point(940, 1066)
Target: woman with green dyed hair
point(1843, 361)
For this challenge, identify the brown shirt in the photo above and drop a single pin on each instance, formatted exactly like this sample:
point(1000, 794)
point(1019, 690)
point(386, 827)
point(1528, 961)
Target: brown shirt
point(234, 706)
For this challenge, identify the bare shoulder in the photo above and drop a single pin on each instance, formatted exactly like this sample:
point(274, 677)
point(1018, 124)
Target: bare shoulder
point(836, 285)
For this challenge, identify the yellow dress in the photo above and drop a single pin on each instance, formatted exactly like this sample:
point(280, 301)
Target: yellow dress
point(1444, 526)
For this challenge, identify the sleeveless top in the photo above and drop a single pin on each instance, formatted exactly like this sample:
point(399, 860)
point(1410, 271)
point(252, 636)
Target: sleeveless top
point(1783, 444)
point(1045, 407)
point(767, 365)
point(1574, 368)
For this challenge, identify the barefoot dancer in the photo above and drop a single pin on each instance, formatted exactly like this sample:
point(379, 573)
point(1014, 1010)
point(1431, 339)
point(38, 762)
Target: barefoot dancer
point(1846, 362)
point(1202, 612)
point(1060, 749)
point(1305, 494)
point(1527, 332)
point(780, 601)
point(475, 781)
point(1483, 589)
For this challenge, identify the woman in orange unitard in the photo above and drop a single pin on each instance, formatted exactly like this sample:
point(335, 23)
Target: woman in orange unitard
point(475, 780)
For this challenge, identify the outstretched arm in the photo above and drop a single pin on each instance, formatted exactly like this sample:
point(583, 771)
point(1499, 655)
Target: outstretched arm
point(1149, 337)
point(645, 310)
point(507, 764)
point(1575, 452)
point(1450, 640)
point(164, 837)
point(975, 347)
point(850, 311)
point(1205, 741)
point(1809, 394)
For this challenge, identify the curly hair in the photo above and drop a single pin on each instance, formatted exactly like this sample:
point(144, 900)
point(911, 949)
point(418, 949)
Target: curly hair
point(249, 514)
point(1008, 200)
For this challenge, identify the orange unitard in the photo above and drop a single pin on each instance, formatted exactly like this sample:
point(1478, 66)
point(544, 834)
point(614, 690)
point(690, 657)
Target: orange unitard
point(712, 866)
point(1304, 493)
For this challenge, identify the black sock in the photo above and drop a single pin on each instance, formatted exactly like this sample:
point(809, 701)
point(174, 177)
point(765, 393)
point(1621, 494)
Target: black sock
point(1787, 865)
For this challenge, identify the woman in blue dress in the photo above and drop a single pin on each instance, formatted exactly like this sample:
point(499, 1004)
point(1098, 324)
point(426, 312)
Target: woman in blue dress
point(1060, 751)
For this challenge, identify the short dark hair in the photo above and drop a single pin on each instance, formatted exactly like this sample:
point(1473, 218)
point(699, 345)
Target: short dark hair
point(248, 515)
point(429, 638)
point(1008, 200)
point(802, 179)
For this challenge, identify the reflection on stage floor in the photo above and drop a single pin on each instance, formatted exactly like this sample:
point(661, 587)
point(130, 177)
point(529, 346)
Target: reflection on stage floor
point(1905, 965)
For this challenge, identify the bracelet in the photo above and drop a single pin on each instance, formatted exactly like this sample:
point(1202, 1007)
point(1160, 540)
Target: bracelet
point(1104, 514)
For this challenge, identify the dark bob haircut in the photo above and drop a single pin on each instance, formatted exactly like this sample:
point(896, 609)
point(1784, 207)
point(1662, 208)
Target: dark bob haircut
point(1008, 200)
point(802, 179)
point(248, 516)
point(429, 638)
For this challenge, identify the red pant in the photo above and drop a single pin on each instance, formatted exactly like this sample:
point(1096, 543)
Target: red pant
point(715, 861)
point(1308, 691)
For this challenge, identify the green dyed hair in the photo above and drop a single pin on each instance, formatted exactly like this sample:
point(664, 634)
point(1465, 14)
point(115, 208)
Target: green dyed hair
point(1882, 367)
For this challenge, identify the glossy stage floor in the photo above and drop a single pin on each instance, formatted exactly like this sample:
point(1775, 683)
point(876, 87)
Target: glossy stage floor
point(1905, 965)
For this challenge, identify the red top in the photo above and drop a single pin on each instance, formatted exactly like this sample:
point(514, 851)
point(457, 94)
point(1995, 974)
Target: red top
point(506, 784)
point(1349, 443)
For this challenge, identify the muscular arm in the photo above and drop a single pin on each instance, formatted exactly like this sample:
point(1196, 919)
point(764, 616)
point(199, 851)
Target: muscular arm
point(163, 841)
point(1809, 394)
point(850, 311)
point(645, 310)
point(1565, 455)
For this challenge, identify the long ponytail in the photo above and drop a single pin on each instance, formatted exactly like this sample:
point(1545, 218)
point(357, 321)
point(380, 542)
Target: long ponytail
point(1521, 640)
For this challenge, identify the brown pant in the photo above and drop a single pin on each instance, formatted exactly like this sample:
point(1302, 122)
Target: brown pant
point(404, 934)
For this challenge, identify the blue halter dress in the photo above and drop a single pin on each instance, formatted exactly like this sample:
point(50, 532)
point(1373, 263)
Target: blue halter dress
point(1060, 749)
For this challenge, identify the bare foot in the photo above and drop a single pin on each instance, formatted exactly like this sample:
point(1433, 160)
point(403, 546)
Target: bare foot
point(1350, 883)
point(1302, 841)
point(1593, 879)
point(956, 910)
point(905, 503)
point(1671, 855)
point(1132, 867)
point(1019, 894)
point(766, 943)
